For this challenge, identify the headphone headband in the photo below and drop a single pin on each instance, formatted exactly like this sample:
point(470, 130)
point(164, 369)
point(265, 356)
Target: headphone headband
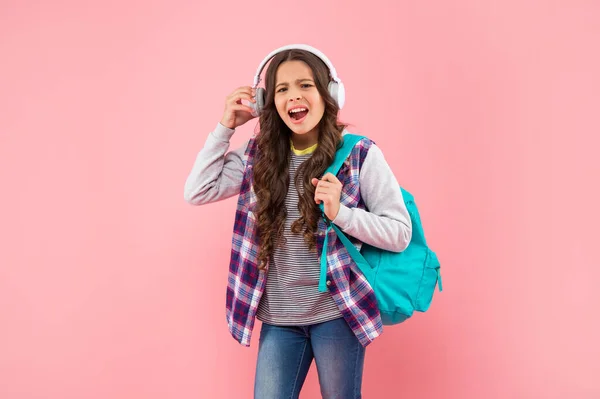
point(335, 86)
point(306, 47)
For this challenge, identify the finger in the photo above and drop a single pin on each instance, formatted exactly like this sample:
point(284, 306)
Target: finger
point(324, 196)
point(318, 197)
point(322, 183)
point(330, 177)
point(242, 90)
point(314, 181)
point(239, 97)
point(323, 191)
point(241, 107)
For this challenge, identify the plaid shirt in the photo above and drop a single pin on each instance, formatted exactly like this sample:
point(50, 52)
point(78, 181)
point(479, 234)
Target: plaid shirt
point(349, 288)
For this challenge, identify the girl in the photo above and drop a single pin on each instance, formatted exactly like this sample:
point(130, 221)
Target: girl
point(279, 230)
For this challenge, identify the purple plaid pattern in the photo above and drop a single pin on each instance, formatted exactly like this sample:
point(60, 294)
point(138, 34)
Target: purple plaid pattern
point(349, 288)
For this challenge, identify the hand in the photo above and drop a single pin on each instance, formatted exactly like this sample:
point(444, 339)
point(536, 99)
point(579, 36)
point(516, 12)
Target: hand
point(236, 113)
point(329, 191)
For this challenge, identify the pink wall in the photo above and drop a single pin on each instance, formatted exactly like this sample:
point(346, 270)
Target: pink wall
point(111, 286)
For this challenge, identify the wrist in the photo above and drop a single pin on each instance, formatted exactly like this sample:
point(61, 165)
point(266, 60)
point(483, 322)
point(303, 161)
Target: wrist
point(333, 212)
point(227, 124)
point(342, 216)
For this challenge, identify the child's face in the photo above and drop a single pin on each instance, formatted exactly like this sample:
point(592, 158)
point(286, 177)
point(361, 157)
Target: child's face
point(297, 99)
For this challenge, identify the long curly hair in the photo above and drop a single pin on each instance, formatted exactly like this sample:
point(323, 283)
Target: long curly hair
point(271, 168)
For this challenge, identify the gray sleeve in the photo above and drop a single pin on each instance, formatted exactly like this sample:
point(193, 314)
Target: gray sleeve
point(386, 224)
point(216, 174)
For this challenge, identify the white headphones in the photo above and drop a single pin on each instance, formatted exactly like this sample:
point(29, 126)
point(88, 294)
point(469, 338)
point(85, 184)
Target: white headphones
point(336, 87)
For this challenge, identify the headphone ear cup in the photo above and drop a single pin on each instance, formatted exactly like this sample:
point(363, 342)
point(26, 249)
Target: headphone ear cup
point(332, 87)
point(341, 95)
point(337, 91)
point(260, 101)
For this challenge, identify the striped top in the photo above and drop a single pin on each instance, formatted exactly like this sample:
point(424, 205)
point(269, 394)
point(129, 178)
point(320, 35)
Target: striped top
point(292, 294)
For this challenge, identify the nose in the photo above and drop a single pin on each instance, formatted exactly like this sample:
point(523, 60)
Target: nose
point(294, 95)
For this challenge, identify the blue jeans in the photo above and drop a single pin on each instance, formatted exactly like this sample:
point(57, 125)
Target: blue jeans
point(286, 353)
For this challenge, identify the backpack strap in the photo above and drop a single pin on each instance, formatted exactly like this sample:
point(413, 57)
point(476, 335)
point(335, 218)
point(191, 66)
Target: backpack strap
point(343, 152)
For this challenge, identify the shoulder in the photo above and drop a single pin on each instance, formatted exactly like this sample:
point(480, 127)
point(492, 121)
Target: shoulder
point(363, 147)
point(367, 158)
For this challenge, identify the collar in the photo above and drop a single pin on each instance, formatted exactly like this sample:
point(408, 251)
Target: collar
point(306, 151)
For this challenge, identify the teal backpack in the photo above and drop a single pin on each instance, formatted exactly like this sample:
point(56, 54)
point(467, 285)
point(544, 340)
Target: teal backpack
point(403, 282)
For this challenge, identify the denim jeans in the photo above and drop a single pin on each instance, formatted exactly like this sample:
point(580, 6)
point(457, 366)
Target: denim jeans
point(286, 353)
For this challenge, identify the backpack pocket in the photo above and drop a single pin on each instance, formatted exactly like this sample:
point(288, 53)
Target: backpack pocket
point(430, 279)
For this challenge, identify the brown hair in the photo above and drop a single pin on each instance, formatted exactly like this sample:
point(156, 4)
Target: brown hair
point(271, 169)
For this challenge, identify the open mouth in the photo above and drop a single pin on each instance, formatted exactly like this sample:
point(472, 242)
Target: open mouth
point(298, 114)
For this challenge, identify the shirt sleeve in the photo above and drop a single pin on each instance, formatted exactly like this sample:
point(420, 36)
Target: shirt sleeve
point(216, 173)
point(386, 223)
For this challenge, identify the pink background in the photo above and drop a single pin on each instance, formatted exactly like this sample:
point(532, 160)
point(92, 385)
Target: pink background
point(111, 286)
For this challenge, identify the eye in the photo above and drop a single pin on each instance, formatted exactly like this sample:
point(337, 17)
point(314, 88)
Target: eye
point(306, 85)
point(281, 90)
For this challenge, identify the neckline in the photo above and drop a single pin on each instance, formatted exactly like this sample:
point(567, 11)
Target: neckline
point(305, 151)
